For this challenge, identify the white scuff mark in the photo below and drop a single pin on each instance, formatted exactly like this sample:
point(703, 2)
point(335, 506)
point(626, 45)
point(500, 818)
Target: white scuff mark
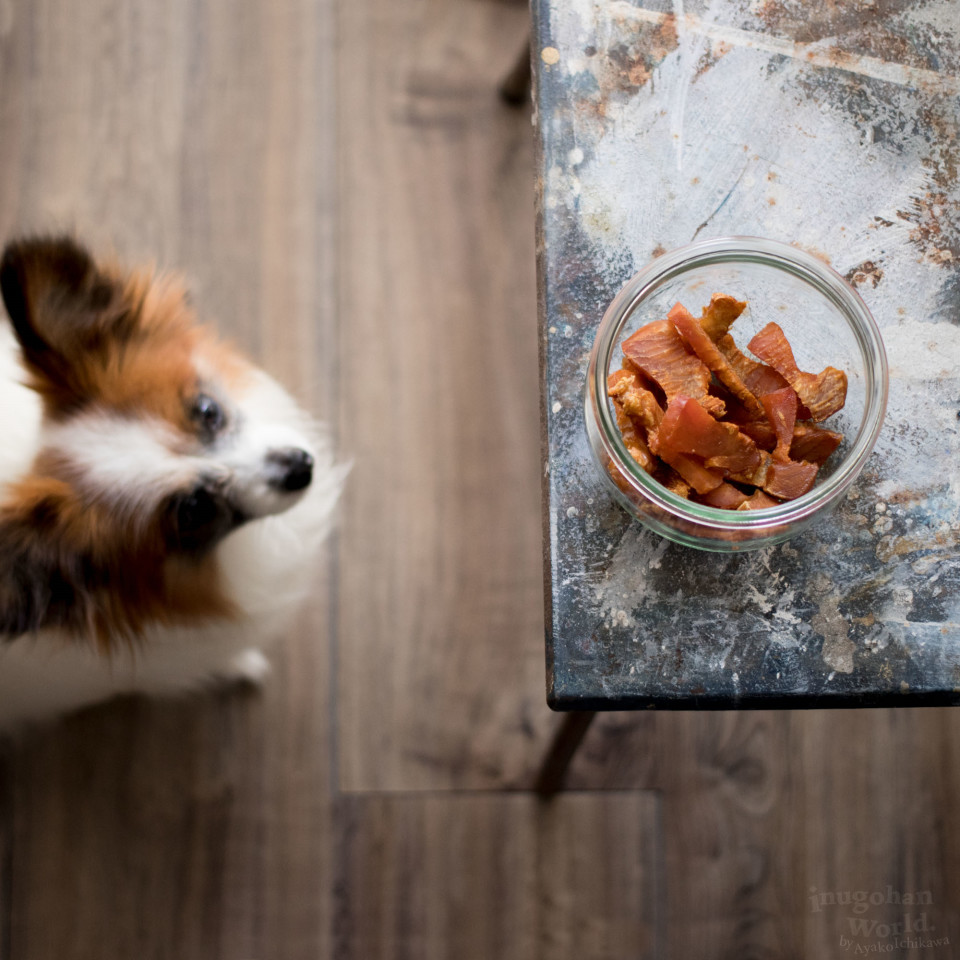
point(681, 87)
point(838, 648)
point(657, 557)
point(820, 54)
point(924, 363)
point(764, 604)
point(787, 617)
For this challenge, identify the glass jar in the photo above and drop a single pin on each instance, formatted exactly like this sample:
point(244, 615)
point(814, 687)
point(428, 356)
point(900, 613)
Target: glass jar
point(826, 323)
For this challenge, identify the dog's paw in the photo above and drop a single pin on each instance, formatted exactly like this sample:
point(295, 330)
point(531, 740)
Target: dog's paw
point(248, 666)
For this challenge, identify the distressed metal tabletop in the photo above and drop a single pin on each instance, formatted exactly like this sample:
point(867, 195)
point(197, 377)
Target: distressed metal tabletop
point(831, 125)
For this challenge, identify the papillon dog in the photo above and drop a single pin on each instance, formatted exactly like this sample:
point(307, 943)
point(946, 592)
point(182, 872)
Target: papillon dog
point(162, 500)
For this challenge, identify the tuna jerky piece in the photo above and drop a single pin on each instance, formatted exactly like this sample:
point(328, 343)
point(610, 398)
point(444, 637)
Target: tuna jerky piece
point(716, 320)
point(637, 401)
point(814, 444)
point(757, 476)
point(692, 470)
point(632, 439)
point(718, 315)
point(781, 409)
point(724, 497)
point(822, 394)
point(700, 343)
point(791, 479)
point(758, 378)
point(758, 501)
point(660, 354)
point(688, 429)
point(672, 480)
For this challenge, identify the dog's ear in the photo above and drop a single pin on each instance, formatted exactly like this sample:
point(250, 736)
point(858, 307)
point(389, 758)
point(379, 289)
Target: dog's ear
point(61, 306)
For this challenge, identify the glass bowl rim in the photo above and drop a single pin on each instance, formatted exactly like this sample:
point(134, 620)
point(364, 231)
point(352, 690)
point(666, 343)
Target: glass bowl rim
point(773, 253)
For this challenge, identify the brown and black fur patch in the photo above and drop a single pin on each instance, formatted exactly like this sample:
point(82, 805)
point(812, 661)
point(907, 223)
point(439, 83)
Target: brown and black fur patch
point(71, 564)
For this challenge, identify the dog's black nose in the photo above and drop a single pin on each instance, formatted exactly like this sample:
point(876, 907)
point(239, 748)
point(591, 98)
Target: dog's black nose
point(294, 469)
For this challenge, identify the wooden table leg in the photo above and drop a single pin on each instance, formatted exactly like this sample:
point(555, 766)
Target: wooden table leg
point(567, 739)
point(515, 86)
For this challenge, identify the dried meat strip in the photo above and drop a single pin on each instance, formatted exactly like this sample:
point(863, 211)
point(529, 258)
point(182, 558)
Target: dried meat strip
point(662, 356)
point(759, 378)
point(694, 335)
point(757, 476)
point(637, 400)
point(790, 480)
point(666, 475)
point(633, 440)
point(758, 501)
point(718, 315)
point(688, 429)
point(725, 497)
point(693, 471)
point(759, 443)
point(814, 444)
point(822, 394)
point(781, 410)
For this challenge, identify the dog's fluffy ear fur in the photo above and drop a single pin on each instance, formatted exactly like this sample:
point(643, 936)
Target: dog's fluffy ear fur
point(61, 304)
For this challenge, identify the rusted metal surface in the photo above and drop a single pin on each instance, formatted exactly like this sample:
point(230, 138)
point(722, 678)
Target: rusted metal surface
point(830, 125)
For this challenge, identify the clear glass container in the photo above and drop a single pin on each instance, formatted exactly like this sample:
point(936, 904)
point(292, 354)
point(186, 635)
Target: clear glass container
point(826, 323)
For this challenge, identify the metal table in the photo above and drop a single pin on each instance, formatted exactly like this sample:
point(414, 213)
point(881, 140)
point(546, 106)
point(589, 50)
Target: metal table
point(830, 126)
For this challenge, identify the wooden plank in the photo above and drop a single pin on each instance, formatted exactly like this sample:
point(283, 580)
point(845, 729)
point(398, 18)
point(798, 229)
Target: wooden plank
point(764, 810)
point(441, 660)
point(882, 783)
point(197, 829)
point(199, 135)
point(6, 848)
point(479, 876)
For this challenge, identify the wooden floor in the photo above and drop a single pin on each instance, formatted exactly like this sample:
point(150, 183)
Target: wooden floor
point(353, 205)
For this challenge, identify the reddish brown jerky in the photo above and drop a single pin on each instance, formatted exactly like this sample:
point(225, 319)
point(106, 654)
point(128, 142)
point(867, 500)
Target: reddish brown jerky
point(633, 440)
point(688, 429)
point(781, 409)
point(700, 343)
point(637, 401)
point(724, 497)
point(666, 475)
point(694, 472)
point(758, 501)
point(822, 394)
point(742, 423)
point(757, 377)
point(813, 443)
point(662, 356)
point(718, 315)
point(791, 479)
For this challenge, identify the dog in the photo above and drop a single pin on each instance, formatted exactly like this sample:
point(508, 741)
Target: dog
point(162, 500)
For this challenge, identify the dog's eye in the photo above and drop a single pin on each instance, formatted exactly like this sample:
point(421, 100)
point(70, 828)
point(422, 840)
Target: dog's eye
point(208, 415)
